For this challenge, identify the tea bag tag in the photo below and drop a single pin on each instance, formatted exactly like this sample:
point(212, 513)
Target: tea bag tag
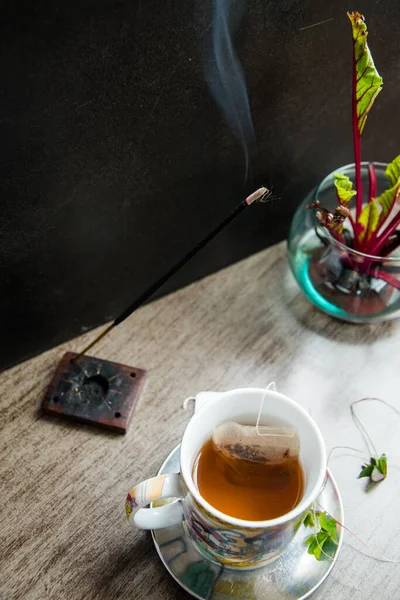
point(256, 443)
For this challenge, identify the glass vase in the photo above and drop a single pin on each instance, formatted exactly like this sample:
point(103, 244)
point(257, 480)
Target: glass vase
point(338, 280)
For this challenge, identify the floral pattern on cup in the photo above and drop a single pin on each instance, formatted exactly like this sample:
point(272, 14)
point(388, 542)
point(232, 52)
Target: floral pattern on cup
point(241, 547)
point(130, 505)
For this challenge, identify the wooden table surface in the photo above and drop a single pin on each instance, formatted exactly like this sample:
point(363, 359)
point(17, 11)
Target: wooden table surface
point(63, 531)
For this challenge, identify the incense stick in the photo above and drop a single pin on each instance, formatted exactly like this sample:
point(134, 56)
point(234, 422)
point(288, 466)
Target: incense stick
point(260, 195)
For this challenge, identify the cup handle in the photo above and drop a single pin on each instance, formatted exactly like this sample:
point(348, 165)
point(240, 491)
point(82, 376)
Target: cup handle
point(156, 488)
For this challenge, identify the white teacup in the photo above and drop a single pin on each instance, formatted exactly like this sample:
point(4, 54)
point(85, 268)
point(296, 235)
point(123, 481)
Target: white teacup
point(234, 542)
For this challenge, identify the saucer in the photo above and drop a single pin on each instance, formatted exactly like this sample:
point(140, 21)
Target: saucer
point(294, 575)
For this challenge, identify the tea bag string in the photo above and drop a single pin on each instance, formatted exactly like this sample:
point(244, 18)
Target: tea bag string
point(271, 386)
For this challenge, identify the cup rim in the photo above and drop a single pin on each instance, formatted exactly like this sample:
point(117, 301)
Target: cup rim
point(303, 505)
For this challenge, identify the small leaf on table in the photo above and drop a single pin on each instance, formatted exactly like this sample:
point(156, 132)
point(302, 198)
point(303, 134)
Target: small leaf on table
point(376, 470)
point(366, 471)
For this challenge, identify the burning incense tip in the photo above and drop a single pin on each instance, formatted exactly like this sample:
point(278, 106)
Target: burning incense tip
point(259, 195)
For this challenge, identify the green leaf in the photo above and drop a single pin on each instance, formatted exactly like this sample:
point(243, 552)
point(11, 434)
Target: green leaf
point(319, 541)
point(369, 219)
point(366, 471)
point(309, 520)
point(322, 537)
point(387, 200)
point(323, 521)
point(381, 464)
point(312, 544)
point(368, 80)
point(389, 197)
point(376, 470)
point(321, 545)
point(380, 469)
point(328, 524)
point(344, 188)
point(393, 171)
point(309, 541)
point(330, 548)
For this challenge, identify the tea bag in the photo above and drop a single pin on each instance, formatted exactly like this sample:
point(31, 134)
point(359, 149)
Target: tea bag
point(250, 449)
point(258, 443)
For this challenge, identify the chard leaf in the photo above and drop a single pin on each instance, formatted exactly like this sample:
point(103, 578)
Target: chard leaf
point(393, 171)
point(389, 197)
point(344, 188)
point(387, 200)
point(368, 81)
point(369, 219)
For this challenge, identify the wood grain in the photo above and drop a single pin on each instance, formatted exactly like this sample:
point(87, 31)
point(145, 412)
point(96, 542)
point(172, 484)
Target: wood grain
point(63, 531)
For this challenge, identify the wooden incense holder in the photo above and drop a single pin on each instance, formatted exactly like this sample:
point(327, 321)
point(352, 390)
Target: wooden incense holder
point(94, 391)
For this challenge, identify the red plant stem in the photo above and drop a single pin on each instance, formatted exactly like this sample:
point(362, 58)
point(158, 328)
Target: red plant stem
point(386, 277)
point(357, 145)
point(391, 245)
point(384, 236)
point(352, 224)
point(372, 182)
point(387, 218)
point(370, 242)
point(338, 237)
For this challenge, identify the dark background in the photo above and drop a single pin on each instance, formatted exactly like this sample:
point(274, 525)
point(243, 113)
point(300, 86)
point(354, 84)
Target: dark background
point(115, 158)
